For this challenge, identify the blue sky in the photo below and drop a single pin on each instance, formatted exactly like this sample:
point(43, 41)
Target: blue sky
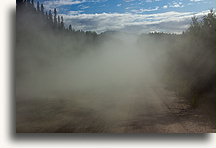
point(136, 16)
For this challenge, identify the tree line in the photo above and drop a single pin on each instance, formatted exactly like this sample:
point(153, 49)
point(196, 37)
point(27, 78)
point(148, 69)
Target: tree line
point(190, 67)
point(52, 19)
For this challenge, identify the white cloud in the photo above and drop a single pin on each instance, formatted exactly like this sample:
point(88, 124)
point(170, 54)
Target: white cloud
point(137, 23)
point(57, 3)
point(144, 10)
point(118, 5)
point(74, 12)
point(51, 4)
point(127, 8)
point(165, 6)
point(84, 7)
point(176, 5)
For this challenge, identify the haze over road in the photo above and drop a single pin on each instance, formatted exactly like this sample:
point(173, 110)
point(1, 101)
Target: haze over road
point(137, 110)
point(115, 88)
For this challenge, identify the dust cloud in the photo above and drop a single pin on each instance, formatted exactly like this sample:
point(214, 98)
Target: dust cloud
point(101, 85)
point(111, 65)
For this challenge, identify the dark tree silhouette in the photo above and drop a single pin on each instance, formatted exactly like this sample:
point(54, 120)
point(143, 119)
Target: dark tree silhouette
point(70, 28)
point(55, 18)
point(50, 17)
point(46, 14)
point(59, 22)
point(42, 9)
point(32, 2)
point(209, 21)
point(38, 6)
point(62, 22)
point(195, 26)
point(19, 2)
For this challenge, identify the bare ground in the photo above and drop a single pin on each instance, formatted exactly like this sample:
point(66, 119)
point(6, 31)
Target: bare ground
point(146, 110)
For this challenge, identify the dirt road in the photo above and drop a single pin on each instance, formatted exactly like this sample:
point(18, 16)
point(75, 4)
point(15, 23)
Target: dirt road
point(137, 110)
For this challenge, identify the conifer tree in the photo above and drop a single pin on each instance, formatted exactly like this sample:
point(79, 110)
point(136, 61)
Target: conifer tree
point(59, 22)
point(32, 2)
point(55, 18)
point(46, 14)
point(18, 2)
point(70, 28)
point(50, 16)
point(42, 9)
point(38, 6)
point(62, 22)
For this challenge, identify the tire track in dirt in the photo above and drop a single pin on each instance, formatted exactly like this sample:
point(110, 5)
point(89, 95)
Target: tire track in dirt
point(149, 113)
